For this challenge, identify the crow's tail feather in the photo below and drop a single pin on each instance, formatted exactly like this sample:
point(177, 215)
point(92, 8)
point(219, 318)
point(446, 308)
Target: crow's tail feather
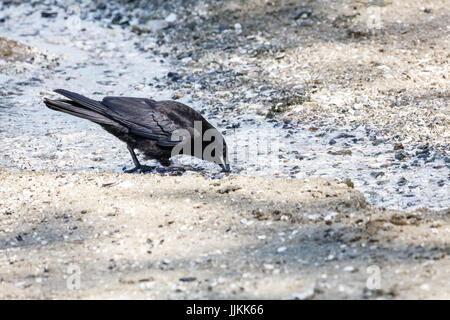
point(77, 110)
point(84, 101)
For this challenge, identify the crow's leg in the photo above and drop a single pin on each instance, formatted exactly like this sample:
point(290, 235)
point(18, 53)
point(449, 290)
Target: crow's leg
point(137, 165)
point(133, 156)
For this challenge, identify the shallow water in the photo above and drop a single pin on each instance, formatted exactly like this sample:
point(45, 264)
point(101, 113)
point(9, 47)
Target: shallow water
point(96, 61)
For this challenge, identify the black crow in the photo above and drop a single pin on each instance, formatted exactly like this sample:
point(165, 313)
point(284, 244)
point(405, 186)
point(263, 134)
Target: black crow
point(159, 129)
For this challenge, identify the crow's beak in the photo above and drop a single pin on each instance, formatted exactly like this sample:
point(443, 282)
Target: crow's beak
point(225, 167)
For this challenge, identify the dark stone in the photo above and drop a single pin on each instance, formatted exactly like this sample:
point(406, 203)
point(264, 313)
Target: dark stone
point(101, 6)
point(191, 25)
point(398, 146)
point(402, 181)
point(376, 142)
point(117, 18)
point(173, 76)
point(344, 135)
point(303, 14)
point(377, 174)
point(188, 279)
point(48, 14)
point(184, 55)
point(400, 155)
point(424, 154)
point(341, 152)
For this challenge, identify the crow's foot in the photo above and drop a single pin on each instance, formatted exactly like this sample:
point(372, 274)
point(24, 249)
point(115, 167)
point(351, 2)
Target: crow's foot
point(171, 170)
point(130, 170)
point(140, 169)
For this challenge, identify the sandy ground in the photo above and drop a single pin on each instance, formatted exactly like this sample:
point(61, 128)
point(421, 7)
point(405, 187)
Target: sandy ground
point(102, 234)
point(108, 235)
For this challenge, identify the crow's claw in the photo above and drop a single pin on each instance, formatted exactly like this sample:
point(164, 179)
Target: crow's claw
point(131, 170)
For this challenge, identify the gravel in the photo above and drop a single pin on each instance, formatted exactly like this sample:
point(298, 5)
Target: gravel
point(328, 122)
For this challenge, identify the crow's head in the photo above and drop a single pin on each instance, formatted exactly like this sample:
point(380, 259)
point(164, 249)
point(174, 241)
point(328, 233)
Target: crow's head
point(215, 148)
point(202, 141)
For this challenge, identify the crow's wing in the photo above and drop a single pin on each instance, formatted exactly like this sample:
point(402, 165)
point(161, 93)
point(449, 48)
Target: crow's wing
point(142, 118)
